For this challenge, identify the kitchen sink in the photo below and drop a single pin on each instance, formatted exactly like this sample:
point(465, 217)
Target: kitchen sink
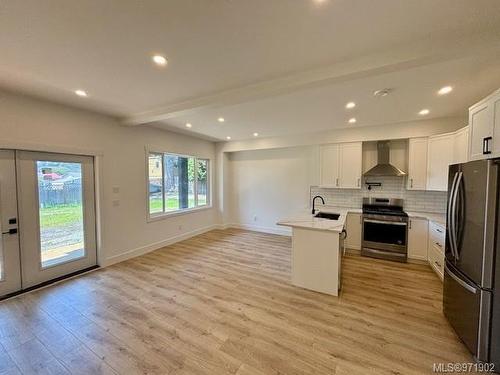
point(327, 215)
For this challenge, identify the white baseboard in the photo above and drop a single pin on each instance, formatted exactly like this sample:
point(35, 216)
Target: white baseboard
point(257, 228)
point(157, 245)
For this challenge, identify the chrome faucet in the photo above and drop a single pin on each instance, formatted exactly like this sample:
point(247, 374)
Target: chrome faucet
point(314, 199)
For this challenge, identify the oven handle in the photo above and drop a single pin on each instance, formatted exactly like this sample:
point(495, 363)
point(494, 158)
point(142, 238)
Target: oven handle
point(385, 222)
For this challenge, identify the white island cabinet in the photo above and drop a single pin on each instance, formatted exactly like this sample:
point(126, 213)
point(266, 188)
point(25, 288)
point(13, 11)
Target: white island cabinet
point(317, 249)
point(316, 260)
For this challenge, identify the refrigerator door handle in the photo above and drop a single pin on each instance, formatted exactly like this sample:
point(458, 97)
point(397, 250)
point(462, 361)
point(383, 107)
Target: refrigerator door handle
point(459, 280)
point(454, 216)
point(449, 213)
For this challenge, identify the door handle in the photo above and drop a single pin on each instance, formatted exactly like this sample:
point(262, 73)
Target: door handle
point(486, 145)
point(454, 241)
point(11, 231)
point(460, 281)
point(449, 220)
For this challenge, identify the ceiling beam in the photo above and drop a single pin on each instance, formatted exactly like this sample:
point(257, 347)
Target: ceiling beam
point(397, 59)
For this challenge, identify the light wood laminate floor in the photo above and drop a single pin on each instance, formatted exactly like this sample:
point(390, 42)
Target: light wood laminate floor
point(222, 303)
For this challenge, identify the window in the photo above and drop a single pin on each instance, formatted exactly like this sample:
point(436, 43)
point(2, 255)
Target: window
point(177, 183)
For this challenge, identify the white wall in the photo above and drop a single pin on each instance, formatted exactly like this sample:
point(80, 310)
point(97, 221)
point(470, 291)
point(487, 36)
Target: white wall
point(265, 186)
point(271, 183)
point(34, 124)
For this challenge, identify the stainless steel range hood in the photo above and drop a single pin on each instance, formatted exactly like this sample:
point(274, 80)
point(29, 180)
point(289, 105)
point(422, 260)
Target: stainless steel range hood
point(384, 167)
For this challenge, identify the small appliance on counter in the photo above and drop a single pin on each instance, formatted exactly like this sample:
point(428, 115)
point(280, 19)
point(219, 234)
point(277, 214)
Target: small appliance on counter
point(384, 229)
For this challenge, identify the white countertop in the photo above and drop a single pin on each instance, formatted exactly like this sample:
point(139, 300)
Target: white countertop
point(306, 220)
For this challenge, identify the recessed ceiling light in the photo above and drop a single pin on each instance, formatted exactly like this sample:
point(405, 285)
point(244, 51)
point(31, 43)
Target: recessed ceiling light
point(188, 125)
point(228, 138)
point(255, 134)
point(160, 60)
point(445, 90)
point(382, 92)
point(424, 112)
point(81, 93)
point(352, 120)
point(221, 119)
point(350, 105)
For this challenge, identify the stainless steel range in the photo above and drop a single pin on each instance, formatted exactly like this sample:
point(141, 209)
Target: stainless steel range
point(384, 229)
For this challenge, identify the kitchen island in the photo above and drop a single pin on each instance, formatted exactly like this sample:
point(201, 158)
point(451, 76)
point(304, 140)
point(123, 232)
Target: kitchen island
point(317, 250)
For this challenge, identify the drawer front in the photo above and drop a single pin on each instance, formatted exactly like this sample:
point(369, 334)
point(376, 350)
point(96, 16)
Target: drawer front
point(437, 235)
point(436, 261)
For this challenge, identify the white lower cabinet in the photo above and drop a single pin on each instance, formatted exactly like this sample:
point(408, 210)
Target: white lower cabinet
point(353, 228)
point(417, 238)
point(426, 241)
point(436, 247)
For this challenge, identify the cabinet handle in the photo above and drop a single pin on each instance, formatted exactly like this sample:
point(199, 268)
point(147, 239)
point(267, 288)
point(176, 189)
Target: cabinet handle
point(439, 230)
point(437, 263)
point(337, 182)
point(437, 243)
point(359, 182)
point(411, 182)
point(486, 145)
point(409, 224)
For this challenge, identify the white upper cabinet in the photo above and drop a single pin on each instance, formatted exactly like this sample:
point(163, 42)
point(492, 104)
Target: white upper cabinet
point(484, 122)
point(439, 157)
point(340, 165)
point(350, 165)
point(461, 146)
point(329, 165)
point(495, 104)
point(417, 164)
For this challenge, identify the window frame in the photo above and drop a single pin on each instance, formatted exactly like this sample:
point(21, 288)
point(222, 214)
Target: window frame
point(165, 214)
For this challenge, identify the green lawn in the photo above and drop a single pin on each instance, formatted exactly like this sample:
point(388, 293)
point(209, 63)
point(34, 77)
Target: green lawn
point(155, 204)
point(68, 214)
point(59, 215)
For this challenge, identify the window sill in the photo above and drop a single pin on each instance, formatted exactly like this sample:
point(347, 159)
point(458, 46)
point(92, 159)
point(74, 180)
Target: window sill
point(166, 215)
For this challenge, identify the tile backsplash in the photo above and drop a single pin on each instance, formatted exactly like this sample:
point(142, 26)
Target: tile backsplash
point(392, 187)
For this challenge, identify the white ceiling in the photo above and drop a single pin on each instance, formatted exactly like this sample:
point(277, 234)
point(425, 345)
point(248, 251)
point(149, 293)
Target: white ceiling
point(219, 49)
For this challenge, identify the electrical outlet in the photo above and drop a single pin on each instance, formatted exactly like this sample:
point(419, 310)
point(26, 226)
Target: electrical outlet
point(116, 203)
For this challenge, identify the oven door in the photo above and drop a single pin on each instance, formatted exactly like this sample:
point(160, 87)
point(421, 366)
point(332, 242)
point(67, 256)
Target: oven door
point(385, 234)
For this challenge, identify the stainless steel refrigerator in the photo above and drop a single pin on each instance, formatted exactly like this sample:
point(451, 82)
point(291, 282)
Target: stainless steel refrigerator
point(471, 294)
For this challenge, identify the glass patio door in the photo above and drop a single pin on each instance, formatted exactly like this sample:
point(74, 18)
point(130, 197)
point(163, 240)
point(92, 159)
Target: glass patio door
point(10, 267)
point(57, 215)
